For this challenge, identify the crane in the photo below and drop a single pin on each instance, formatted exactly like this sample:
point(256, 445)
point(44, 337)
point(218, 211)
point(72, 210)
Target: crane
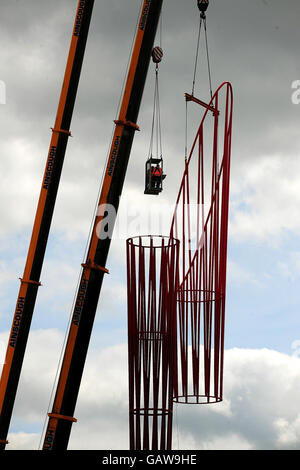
point(30, 281)
point(61, 417)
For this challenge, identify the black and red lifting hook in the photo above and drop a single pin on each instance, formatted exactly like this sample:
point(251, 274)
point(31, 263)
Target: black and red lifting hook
point(203, 5)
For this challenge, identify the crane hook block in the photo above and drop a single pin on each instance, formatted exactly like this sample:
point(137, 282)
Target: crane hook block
point(203, 5)
point(157, 54)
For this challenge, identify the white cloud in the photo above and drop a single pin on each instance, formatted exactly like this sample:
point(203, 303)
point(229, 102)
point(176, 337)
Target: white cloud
point(260, 410)
point(23, 441)
point(230, 441)
point(288, 431)
point(265, 199)
point(19, 187)
point(239, 275)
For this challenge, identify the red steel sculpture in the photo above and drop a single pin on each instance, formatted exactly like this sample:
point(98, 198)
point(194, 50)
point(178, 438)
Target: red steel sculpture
point(152, 270)
point(179, 358)
point(200, 222)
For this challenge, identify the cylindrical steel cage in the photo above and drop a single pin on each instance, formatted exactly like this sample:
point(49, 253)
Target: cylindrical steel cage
point(201, 331)
point(152, 271)
point(200, 222)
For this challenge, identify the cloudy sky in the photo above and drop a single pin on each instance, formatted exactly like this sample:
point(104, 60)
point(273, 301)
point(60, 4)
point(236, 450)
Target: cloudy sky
point(255, 45)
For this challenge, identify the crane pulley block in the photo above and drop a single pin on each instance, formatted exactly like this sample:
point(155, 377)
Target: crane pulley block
point(157, 54)
point(203, 5)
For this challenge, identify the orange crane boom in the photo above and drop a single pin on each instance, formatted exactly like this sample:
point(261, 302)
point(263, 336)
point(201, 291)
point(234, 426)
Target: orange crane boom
point(61, 417)
point(31, 277)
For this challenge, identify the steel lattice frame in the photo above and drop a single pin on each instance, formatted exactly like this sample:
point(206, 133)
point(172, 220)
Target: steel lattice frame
point(203, 233)
point(152, 267)
point(185, 272)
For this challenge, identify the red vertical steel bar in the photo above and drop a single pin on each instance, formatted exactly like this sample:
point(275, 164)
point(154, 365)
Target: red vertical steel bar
point(202, 283)
point(152, 287)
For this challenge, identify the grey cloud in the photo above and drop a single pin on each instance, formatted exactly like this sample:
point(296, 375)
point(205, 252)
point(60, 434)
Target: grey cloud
point(246, 47)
